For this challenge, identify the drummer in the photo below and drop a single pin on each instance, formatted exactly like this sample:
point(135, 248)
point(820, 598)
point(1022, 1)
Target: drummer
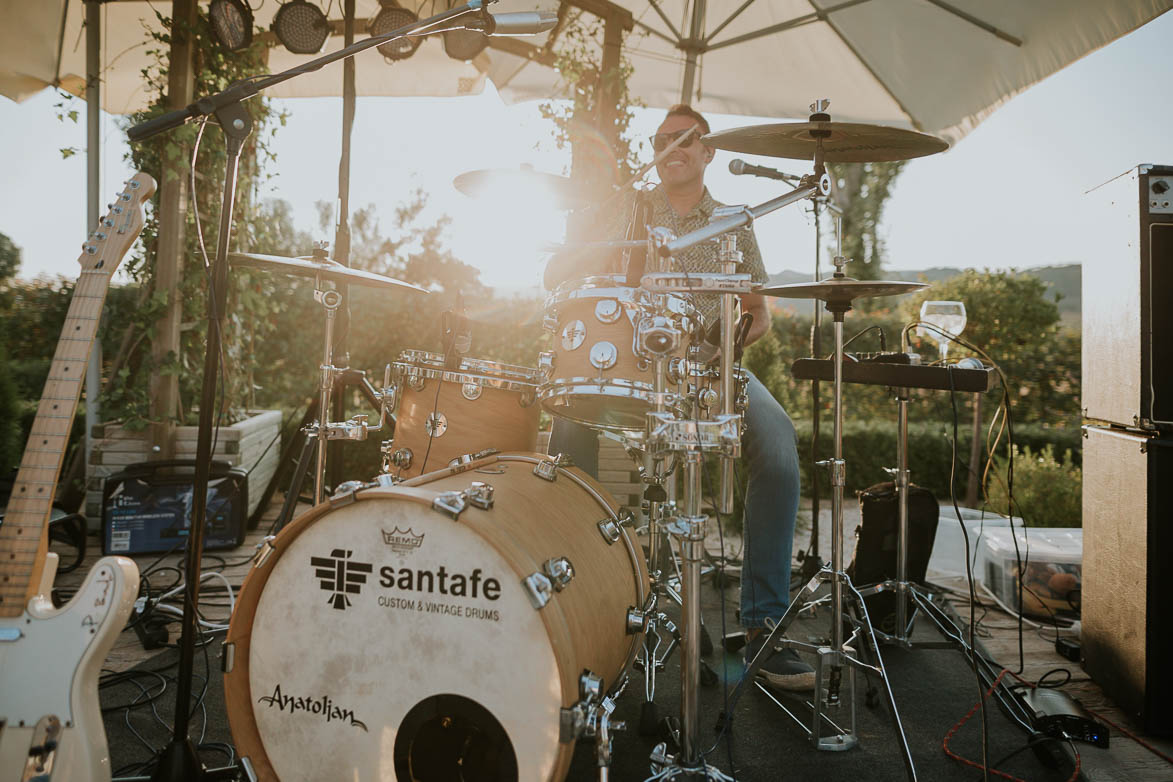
point(682, 203)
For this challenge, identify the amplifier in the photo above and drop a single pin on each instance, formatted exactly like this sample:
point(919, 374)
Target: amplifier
point(1127, 327)
point(1127, 633)
point(146, 508)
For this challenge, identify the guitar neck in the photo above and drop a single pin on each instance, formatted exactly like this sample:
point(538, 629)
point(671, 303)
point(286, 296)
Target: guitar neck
point(23, 539)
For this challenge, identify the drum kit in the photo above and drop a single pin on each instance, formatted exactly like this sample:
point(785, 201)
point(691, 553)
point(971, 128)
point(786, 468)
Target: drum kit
point(475, 609)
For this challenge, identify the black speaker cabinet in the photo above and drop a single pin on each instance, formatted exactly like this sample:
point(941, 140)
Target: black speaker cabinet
point(1127, 317)
point(1127, 635)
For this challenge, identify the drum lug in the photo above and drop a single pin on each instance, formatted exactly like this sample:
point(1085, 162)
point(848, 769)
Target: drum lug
point(345, 493)
point(560, 572)
point(547, 469)
point(227, 656)
point(538, 589)
point(612, 529)
point(450, 503)
point(264, 549)
point(453, 503)
point(480, 494)
point(545, 365)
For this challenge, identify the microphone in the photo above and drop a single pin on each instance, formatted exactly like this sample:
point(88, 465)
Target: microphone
point(739, 167)
point(519, 23)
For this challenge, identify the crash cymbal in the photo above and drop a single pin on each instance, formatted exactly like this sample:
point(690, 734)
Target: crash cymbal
point(843, 142)
point(504, 184)
point(325, 268)
point(840, 290)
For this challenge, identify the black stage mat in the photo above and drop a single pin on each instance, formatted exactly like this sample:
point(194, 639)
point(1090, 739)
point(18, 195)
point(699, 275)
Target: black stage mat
point(934, 688)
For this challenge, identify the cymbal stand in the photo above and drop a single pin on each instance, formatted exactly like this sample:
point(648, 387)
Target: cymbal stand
point(322, 430)
point(839, 653)
point(690, 440)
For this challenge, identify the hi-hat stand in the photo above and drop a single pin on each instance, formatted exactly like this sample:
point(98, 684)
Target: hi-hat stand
point(840, 652)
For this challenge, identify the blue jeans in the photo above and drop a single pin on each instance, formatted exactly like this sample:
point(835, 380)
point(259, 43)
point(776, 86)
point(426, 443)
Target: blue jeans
point(770, 450)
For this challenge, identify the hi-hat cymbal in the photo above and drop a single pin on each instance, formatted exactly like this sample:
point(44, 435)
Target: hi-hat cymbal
point(504, 184)
point(324, 268)
point(843, 142)
point(840, 290)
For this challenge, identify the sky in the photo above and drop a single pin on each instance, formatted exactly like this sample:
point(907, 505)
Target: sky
point(1010, 194)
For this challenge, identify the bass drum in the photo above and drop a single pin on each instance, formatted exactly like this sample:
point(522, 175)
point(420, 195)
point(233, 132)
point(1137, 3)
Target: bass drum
point(435, 629)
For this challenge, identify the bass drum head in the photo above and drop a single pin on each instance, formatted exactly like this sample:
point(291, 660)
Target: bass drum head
point(358, 616)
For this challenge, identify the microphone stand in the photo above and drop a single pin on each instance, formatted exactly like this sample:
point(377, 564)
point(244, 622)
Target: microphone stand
point(179, 760)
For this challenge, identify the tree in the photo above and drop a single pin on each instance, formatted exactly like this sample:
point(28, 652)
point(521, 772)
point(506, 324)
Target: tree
point(9, 258)
point(862, 191)
point(1011, 318)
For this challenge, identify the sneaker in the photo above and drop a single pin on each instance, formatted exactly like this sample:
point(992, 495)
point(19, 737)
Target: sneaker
point(783, 669)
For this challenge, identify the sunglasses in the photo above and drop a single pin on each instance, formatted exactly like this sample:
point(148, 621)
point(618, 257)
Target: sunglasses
point(662, 141)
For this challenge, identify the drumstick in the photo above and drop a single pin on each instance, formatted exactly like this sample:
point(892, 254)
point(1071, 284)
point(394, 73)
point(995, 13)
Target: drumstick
point(643, 171)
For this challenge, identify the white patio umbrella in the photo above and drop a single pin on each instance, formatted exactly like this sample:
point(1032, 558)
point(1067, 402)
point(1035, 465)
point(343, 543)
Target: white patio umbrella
point(939, 66)
point(932, 65)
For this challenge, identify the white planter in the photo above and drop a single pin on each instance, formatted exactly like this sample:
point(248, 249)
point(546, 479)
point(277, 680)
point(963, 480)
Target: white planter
point(243, 445)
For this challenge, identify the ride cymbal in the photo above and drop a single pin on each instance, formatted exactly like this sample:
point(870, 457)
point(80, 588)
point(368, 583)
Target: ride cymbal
point(325, 268)
point(843, 142)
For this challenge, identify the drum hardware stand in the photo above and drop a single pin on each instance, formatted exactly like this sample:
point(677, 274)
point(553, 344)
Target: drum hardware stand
point(832, 658)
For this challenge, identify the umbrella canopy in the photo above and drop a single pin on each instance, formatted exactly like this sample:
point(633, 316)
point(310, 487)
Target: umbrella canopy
point(938, 66)
point(932, 65)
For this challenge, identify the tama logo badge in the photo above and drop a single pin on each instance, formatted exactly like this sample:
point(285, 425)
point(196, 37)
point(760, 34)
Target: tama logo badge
point(340, 576)
point(403, 541)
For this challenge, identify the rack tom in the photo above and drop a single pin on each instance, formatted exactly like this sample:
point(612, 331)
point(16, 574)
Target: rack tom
point(446, 413)
point(601, 372)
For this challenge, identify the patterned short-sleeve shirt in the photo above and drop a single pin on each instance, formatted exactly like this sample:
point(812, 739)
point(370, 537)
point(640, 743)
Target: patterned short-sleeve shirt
point(698, 258)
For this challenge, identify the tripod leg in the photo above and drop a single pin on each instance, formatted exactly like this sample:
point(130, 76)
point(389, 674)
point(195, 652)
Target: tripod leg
point(289, 506)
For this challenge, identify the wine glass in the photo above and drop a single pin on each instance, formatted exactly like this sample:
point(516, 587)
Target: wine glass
point(947, 315)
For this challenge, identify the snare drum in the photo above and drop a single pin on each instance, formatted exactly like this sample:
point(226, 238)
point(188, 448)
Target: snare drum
point(443, 414)
point(436, 629)
point(598, 374)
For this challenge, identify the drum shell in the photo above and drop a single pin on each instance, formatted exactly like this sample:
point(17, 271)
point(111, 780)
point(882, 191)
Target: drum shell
point(530, 521)
point(505, 419)
point(616, 397)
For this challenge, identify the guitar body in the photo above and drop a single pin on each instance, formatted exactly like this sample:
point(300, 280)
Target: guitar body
point(50, 659)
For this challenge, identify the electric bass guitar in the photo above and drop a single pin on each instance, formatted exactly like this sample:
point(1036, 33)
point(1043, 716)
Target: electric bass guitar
point(50, 723)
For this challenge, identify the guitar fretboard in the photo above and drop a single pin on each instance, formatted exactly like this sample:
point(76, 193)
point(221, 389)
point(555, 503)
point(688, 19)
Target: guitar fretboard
point(23, 541)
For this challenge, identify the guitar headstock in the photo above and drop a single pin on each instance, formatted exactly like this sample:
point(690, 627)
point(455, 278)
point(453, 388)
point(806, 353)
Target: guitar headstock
point(116, 232)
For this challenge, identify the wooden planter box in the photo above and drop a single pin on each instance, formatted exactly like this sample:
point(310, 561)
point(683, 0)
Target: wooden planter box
point(243, 445)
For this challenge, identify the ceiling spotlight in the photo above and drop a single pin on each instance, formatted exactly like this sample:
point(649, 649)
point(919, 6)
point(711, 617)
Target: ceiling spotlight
point(301, 27)
point(232, 24)
point(392, 17)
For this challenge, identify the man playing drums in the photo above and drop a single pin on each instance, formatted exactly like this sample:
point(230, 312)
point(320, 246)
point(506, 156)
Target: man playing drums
point(682, 203)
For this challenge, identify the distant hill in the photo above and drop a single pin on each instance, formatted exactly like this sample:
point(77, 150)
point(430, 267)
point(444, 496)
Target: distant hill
point(1063, 281)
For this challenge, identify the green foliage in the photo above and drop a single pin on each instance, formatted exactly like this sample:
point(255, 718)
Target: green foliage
point(600, 155)
point(10, 409)
point(9, 258)
point(1047, 492)
point(862, 191)
point(1012, 319)
point(167, 157)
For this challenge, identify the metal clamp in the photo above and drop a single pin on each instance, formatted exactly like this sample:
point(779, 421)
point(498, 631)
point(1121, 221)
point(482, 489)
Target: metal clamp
point(452, 503)
point(722, 434)
point(538, 589)
point(547, 469)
